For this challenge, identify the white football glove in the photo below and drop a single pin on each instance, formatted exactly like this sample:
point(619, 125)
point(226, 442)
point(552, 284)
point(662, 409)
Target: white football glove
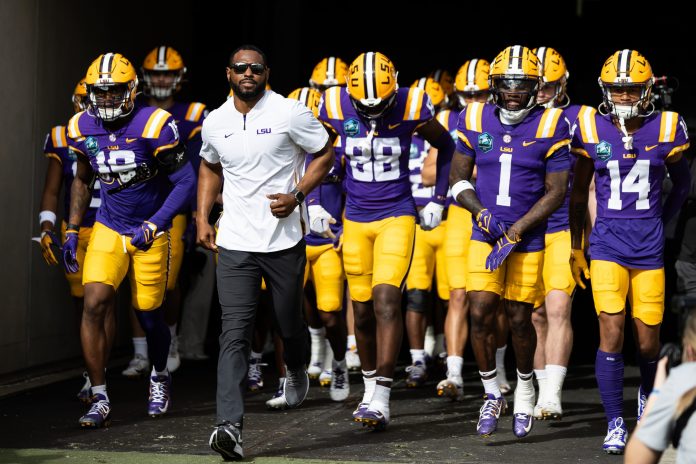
point(431, 215)
point(320, 221)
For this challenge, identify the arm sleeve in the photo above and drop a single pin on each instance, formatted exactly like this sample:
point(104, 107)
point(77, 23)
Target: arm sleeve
point(681, 182)
point(445, 149)
point(559, 160)
point(305, 130)
point(208, 151)
point(183, 181)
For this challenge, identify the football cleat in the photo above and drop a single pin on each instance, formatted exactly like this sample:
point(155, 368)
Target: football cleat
point(360, 412)
point(340, 387)
point(99, 415)
point(137, 367)
point(522, 424)
point(642, 399)
point(417, 375)
point(615, 441)
point(278, 399)
point(451, 387)
point(85, 393)
point(160, 391)
point(352, 358)
point(489, 414)
point(226, 439)
point(255, 376)
point(551, 409)
point(375, 417)
point(325, 378)
point(503, 384)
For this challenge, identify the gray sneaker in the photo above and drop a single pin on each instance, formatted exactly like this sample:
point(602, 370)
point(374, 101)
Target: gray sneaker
point(296, 386)
point(227, 440)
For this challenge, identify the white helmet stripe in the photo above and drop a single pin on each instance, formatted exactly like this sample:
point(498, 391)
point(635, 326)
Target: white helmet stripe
point(331, 68)
point(515, 59)
point(369, 70)
point(162, 55)
point(541, 55)
point(624, 61)
point(105, 65)
point(471, 72)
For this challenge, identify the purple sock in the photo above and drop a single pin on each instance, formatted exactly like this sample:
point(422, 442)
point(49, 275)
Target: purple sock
point(158, 336)
point(609, 370)
point(648, 367)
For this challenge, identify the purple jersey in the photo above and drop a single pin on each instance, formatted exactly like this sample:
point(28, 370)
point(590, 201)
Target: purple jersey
point(628, 184)
point(377, 175)
point(559, 219)
point(132, 190)
point(419, 151)
point(449, 119)
point(189, 119)
point(512, 162)
point(329, 194)
point(56, 147)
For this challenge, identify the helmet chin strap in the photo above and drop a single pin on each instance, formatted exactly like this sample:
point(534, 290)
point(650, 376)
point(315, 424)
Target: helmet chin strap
point(627, 139)
point(513, 117)
point(367, 143)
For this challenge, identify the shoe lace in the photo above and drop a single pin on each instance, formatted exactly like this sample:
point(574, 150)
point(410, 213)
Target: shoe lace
point(522, 416)
point(490, 409)
point(255, 373)
point(618, 432)
point(136, 361)
point(100, 407)
point(338, 378)
point(293, 377)
point(416, 370)
point(158, 391)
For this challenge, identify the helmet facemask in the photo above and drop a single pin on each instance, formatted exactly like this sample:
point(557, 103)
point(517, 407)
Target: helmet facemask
point(639, 104)
point(374, 108)
point(482, 96)
point(161, 84)
point(515, 96)
point(110, 102)
point(559, 98)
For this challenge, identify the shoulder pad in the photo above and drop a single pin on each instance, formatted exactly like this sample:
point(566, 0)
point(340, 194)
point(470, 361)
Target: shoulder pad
point(587, 122)
point(154, 124)
point(414, 103)
point(548, 123)
point(58, 137)
point(194, 112)
point(74, 126)
point(473, 116)
point(443, 118)
point(668, 126)
point(332, 102)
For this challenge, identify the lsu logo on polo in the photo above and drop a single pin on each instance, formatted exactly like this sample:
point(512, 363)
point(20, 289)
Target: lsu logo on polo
point(485, 142)
point(603, 150)
point(267, 130)
point(351, 127)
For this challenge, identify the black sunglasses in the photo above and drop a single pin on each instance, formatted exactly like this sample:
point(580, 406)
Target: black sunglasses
point(240, 68)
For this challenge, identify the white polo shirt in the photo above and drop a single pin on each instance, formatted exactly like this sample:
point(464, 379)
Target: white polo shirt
point(261, 152)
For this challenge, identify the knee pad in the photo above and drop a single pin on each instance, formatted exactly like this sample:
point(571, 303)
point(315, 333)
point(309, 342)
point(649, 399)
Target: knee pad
point(418, 300)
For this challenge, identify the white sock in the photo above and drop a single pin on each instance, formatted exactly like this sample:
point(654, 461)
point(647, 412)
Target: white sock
point(490, 386)
point(524, 394)
point(317, 332)
point(370, 382)
point(418, 355)
point(440, 343)
point(541, 377)
point(500, 360)
point(556, 375)
point(172, 330)
point(380, 398)
point(101, 389)
point(328, 355)
point(351, 342)
point(281, 383)
point(454, 366)
point(429, 344)
point(140, 346)
point(540, 374)
point(255, 355)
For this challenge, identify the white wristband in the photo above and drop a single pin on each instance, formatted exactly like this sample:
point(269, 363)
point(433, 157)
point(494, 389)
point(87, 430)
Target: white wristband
point(461, 186)
point(47, 215)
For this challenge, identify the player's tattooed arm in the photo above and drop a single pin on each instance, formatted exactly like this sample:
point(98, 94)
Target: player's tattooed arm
point(462, 169)
point(556, 187)
point(583, 174)
point(80, 194)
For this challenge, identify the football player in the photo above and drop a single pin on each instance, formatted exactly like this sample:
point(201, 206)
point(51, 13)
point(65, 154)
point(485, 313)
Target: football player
point(627, 146)
point(163, 72)
point(428, 257)
point(373, 120)
point(329, 72)
point(513, 139)
point(135, 151)
point(62, 165)
point(551, 316)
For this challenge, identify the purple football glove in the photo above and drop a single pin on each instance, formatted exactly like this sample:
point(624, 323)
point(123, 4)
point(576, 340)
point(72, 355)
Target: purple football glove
point(70, 252)
point(503, 247)
point(143, 235)
point(489, 225)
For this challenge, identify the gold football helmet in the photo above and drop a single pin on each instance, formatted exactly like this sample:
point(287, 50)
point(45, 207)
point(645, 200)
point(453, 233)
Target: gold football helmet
point(626, 72)
point(111, 83)
point(79, 96)
point(514, 79)
point(329, 72)
point(163, 71)
point(554, 78)
point(372, 84)
point(309, 97)
point(471, 82)
point(432, 88)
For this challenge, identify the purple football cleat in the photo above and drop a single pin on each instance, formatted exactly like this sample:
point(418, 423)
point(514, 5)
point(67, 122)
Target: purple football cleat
point(489, 414)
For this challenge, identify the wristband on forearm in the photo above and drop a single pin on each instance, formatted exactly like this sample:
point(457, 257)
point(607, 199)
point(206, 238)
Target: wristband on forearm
point(47, 215)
